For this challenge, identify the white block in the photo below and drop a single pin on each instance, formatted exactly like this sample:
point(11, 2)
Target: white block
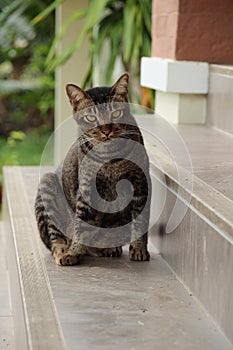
point(181, 108)
point(166, 75)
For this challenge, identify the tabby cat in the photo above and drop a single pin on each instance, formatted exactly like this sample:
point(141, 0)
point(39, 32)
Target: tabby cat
point(71, 217)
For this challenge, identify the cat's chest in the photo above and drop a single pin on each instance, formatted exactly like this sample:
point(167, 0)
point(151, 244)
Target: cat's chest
point(107, 184)
point(107, 178)
point(113, 171)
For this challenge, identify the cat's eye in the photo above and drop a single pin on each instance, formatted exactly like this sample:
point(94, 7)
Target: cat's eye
point(90, 118)
point(117, 114)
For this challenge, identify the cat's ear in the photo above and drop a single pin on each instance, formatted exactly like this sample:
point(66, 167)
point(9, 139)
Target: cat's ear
point(119, 90)
point(75, 94)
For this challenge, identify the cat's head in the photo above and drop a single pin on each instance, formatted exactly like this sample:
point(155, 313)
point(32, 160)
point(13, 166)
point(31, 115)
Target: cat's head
point(80, 99)
point(101, 112)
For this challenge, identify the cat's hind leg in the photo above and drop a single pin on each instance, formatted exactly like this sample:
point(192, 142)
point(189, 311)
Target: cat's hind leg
point(45, 211)
point(53, 239)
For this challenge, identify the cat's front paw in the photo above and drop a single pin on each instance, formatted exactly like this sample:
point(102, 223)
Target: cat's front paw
point(67, 259)
point(139, 254)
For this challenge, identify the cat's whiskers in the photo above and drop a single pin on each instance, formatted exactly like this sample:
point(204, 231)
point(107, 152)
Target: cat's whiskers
point(126, 133)
point(121, 133)
point(84, 139)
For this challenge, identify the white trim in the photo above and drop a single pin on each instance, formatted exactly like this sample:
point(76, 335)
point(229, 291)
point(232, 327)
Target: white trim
point(167, 75)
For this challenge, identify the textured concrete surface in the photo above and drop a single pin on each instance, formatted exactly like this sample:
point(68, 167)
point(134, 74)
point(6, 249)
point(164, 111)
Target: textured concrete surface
point(211, 152)
point(107, 303)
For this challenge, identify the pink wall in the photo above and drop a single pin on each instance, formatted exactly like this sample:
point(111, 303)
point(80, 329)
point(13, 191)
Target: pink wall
point(197, 30)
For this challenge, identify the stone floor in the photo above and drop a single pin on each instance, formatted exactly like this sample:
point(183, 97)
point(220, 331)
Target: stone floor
point(111, 303)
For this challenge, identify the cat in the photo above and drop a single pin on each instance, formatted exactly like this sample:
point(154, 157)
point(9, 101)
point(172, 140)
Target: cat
point(109, 148)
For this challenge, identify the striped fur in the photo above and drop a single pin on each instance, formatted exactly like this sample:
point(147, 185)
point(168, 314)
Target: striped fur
point(62, 212)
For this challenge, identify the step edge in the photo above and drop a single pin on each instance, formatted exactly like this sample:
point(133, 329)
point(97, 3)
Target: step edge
point(201, 195)
point(38, 284)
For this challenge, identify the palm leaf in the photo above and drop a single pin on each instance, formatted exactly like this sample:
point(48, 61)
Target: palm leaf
point(145, 9)
point(124, 24)
point(130, 11)
point(52, 52)
point(115, 41)
point(42, 15)
point(8, 10)
point(93, 16)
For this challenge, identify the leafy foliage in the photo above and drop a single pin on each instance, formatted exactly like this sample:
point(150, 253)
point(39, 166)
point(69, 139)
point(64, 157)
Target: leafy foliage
point(27, 91)
point(18, 36)
point(125, 25)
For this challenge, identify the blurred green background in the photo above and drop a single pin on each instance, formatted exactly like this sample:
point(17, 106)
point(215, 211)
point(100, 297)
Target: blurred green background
point(26, 90)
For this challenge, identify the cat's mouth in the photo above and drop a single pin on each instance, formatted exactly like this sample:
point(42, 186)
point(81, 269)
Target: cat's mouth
point(108, 139)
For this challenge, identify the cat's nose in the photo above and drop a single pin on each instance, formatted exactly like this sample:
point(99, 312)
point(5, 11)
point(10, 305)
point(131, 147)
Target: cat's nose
point(106, 130)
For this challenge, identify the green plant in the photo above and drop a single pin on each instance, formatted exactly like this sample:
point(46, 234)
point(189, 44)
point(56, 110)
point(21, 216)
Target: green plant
point(18, 36)
point(125, 25)
point(26, 90)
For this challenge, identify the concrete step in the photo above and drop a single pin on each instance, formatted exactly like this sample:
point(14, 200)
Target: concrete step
point(220, 102)
point(104, 303)
point(211, 152)
point(200, 248)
